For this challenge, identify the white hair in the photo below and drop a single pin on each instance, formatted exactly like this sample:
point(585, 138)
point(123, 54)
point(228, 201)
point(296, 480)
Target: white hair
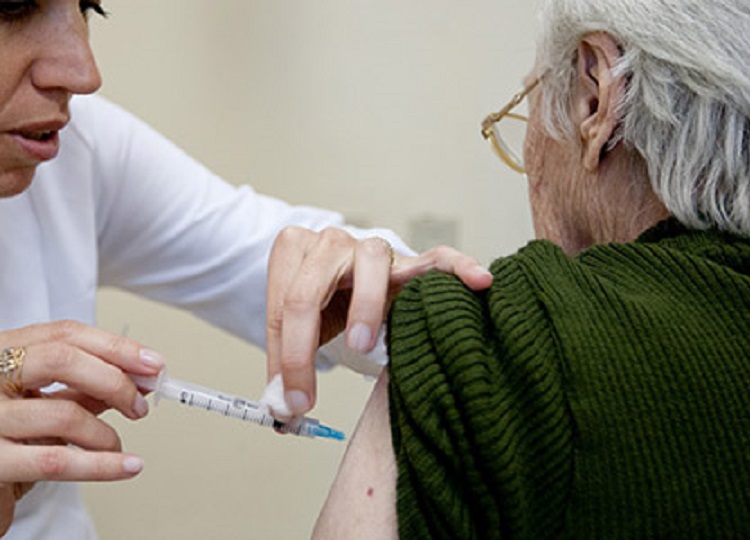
point(686, 110)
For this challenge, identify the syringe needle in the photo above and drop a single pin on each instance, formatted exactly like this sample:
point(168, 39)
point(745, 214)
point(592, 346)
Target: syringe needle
point(329, 433)
point(194, 395)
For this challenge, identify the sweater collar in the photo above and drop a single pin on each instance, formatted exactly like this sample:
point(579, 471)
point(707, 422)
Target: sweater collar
point(718, 246)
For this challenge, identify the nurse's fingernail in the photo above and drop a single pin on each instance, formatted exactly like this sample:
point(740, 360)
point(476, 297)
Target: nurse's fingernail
point(152, 359)
point(297, 401)
point(140, 406)
point(359, 338)
point(132, 464)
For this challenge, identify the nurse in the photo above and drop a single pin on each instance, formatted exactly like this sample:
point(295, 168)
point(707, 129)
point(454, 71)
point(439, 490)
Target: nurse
point(91, 196)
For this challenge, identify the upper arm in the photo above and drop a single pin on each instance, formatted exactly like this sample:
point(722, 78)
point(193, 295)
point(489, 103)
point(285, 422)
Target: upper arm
point(362, 500)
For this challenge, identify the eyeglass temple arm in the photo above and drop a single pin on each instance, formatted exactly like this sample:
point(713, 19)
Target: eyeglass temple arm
point(517, 98)
point(495, 117)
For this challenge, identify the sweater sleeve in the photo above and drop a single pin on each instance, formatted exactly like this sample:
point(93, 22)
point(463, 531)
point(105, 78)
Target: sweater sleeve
point(481, 429)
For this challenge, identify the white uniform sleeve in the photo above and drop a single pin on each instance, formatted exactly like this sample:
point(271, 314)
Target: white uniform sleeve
point(171, 230)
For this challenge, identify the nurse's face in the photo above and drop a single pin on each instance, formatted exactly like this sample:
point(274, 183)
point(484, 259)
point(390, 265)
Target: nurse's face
point(45, 58)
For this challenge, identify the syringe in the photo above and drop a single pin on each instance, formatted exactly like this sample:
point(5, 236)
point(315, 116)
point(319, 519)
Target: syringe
point(194, 395)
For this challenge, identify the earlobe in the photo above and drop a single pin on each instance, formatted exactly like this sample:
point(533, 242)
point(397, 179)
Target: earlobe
point(597, 95)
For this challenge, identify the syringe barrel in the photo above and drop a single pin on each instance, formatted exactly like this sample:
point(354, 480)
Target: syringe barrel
point(194, 395)
point(201, 397)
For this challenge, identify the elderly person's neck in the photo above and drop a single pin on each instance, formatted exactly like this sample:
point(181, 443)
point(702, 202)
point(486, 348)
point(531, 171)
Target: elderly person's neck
point(611, 202)
point(587, 187)
point(620, 201)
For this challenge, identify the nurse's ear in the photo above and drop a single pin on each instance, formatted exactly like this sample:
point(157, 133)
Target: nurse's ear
point(597, 94)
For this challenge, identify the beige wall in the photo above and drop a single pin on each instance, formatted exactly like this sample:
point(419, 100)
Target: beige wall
point(368, 107)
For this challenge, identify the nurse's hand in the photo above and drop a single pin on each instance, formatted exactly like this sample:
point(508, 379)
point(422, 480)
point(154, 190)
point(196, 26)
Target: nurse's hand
point(57, 436)
point(320, 284)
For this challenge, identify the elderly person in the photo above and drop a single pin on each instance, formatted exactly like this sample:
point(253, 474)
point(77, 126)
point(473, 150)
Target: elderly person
point(599, 388)
point(91, 196)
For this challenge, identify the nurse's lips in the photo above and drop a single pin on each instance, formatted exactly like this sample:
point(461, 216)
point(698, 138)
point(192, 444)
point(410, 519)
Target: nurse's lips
point(39, 141)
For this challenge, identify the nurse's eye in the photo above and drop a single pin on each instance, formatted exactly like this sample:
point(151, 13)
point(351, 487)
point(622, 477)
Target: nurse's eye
point(17, 10)
point(87, 6)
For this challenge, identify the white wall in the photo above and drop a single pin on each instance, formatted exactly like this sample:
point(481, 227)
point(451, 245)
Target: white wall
point(370, 108)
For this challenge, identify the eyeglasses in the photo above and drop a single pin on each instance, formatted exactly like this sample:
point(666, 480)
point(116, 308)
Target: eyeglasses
point(507, 138)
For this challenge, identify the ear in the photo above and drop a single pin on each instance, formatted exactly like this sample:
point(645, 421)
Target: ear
point(597, 95)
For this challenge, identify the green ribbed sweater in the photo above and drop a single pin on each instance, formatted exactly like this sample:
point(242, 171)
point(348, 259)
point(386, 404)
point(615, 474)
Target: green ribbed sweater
point(601, 396)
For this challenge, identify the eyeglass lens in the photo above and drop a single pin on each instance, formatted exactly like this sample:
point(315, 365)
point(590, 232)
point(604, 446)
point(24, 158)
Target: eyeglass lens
point(511, 134)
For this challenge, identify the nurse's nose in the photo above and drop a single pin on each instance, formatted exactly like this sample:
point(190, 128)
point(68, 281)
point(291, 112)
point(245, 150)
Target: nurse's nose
point(65, 60)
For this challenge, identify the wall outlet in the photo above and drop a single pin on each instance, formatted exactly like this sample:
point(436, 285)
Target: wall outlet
point(428, 231)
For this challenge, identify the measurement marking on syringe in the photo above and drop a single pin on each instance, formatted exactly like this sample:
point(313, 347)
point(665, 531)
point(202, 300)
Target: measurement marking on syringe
point(204, 398)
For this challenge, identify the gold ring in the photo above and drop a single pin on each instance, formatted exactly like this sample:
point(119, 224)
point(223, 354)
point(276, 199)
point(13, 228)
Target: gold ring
point(391, 251)
point(11, 368)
